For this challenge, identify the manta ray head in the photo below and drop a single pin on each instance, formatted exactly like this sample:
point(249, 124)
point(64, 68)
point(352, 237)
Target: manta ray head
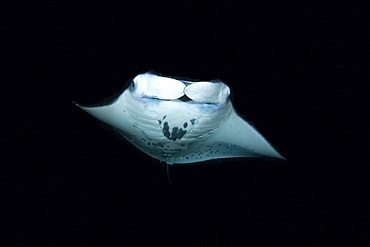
point(151, 85)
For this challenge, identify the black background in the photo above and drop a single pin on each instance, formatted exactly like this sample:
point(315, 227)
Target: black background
point(295, 71)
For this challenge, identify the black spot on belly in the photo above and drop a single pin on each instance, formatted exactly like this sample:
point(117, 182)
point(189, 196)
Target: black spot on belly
point(192, 121)
point(176, 133)
point(185, 125)
point(166, 130)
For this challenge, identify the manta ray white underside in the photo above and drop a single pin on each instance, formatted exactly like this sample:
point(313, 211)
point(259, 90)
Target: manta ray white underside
point(181, 121)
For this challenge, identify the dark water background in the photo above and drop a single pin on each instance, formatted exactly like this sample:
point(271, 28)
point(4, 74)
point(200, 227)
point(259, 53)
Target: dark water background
point(295, 71)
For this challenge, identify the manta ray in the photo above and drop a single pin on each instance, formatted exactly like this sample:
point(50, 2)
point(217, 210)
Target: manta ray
point(181, 120)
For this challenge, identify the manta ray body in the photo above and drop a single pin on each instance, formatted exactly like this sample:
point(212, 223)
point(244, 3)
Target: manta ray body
point(181, 121)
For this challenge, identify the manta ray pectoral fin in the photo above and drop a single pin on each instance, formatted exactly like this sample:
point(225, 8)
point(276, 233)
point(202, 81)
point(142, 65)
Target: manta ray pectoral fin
point(112, 114)
point(235, 138)
point(245, 139)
